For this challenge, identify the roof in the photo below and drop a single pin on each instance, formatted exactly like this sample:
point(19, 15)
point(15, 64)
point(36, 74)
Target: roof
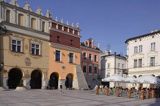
point(144, 35)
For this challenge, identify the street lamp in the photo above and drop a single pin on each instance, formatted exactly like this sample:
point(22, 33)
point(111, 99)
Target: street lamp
point(1, 73)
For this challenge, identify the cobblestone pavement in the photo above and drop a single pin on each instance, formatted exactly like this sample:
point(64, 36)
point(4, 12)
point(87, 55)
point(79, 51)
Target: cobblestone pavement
point(67, 98)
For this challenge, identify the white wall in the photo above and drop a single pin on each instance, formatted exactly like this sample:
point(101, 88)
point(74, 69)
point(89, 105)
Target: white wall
point(145, 55)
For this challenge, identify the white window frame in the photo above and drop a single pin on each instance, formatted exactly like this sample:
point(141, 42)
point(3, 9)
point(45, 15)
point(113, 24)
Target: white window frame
point(140, 48)
point(21, 45)
point(36, 43)
point(73, 58)
point(153, 46)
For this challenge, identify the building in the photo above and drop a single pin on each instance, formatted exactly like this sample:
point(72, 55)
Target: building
point(90, 62)
point(24, 47)
point(64, 61)
point(143, 54)
point(113, 64)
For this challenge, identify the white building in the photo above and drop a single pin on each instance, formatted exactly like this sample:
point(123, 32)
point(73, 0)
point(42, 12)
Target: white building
point(144, 54)
point(112, 64)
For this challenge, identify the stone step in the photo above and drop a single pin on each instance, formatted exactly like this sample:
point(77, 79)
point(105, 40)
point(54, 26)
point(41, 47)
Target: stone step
point(81, 78)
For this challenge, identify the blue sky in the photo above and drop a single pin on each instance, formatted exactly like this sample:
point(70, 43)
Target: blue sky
point(109, 22)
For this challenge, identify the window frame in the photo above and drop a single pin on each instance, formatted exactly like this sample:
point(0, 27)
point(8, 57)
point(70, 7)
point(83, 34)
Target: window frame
point(35, 51)
point(16, 46)
point(59, 60)
point(152, 63)
point(70, 58)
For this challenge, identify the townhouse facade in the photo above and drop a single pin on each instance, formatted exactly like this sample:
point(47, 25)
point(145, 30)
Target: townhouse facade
point(143, 54)
point(37, 51)
point(90, 56)
point(24, 47)
point(113, 64)
point(64, 61)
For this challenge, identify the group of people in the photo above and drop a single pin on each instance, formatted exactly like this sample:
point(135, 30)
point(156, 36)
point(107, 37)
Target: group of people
point(141, 93)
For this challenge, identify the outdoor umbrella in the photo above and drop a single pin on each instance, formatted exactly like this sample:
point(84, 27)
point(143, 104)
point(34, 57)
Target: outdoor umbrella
point(130, 79)
point(148, 79)
point(114, 78)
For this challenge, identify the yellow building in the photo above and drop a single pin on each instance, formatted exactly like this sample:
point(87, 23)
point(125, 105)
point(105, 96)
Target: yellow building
point(24, 47)
point(64, 58)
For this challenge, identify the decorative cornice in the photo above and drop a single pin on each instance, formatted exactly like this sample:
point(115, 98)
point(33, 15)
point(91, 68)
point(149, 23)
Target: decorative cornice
point(60, 46)
point(26, 31)
point(141, 36)
point(25, 11)
point(67, 33)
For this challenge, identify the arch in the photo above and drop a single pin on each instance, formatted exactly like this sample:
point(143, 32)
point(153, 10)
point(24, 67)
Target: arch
point(53, 81)
point(153, 75)
point(14, 78)
point(158, 76)
point(134, 76)
point(36, 79)
point(69, 80)
point(140, 76)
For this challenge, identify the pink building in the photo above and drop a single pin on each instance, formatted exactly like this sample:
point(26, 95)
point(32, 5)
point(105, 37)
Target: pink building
point(90, 62)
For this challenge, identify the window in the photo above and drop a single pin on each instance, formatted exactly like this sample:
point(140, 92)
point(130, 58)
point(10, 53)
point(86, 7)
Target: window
point(135, 49)
point(71, 41)
point(8, 16)
point(90, 69)
point(84, 69)
point(95, 58)
point(58, 39)
point(118, 65)
point(140, 48)
point(152, 61)
point(135, 63)
point(33, 23)
point(57, 55)
point(95, 70)
point(43, 26)
point(20, 19)
point(71, 57)
point(139, 62)
point(153, 45)
point(35, 49)
point(90, 57)
point(16, 45)
point(108, 65)
point(122, 66)
point(84, 55)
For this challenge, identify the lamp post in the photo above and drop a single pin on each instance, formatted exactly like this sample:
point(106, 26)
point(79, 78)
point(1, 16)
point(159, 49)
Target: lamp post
point(1, 74)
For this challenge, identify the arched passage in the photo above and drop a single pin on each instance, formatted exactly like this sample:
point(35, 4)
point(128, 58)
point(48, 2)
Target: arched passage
point(14, 78)
point(36, 79)
point(53, 81)
point(69, 81)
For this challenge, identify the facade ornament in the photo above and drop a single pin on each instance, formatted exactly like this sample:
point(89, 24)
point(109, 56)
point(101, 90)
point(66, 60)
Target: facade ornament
point(14, 2)
point(62, 20)
point(27, 6)
point(72, 25)
point(56, 19)
point(67, 23)
point(39, 11)
point(48, 14)
point(77, 25)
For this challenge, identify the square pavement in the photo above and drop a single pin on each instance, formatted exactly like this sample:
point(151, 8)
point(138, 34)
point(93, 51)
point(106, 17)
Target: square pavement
point(67, 98)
